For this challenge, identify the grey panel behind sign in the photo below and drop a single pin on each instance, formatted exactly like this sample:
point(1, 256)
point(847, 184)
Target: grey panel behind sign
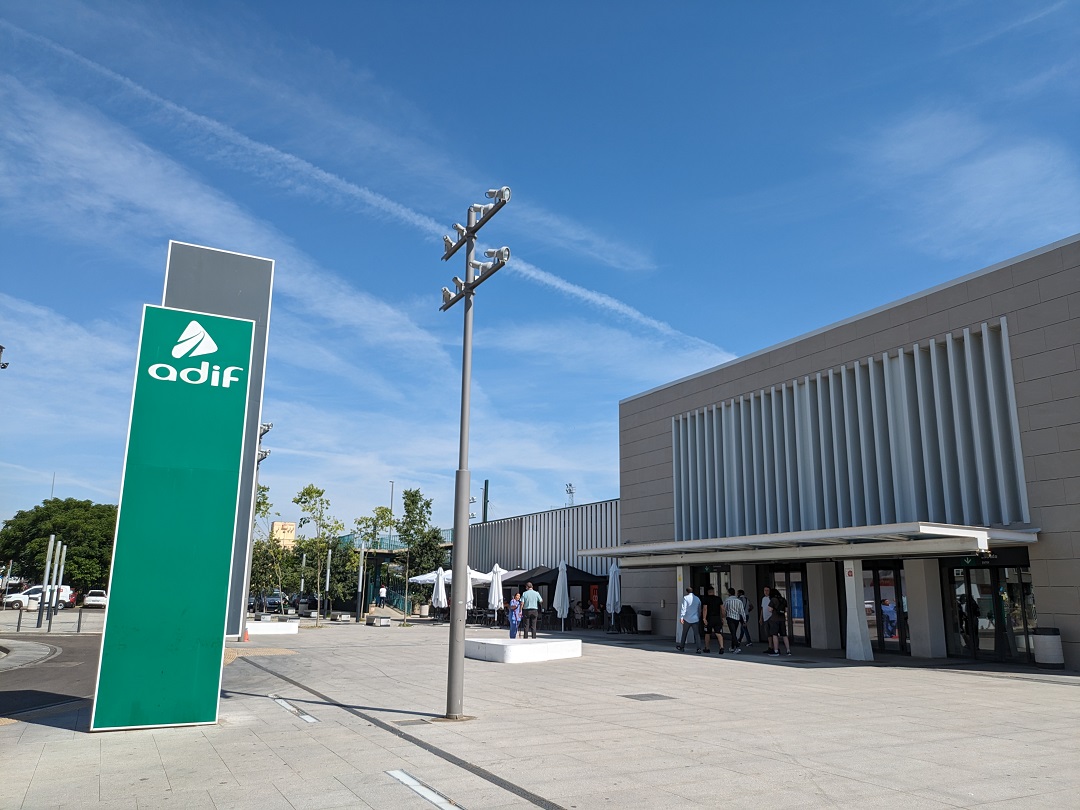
point(222, 283)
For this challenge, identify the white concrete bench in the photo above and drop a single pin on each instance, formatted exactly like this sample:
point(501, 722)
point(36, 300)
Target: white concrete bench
point(273, 628)
point(377, 621)
point(521, 650)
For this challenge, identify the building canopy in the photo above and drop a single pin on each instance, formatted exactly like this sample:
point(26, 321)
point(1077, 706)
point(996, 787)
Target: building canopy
point(857, 542)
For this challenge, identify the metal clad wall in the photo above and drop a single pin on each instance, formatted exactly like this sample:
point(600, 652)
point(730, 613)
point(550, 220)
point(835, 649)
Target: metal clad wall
point(927, 432)
point(497, 541)
point(549, 537)
point(545, 538)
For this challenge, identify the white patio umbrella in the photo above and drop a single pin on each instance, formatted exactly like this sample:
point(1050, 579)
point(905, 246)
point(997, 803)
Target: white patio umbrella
point(469, 586)
point(561, 602)
point(495, 595)
point(476, 577)
point(614, 592)
point(438, 596)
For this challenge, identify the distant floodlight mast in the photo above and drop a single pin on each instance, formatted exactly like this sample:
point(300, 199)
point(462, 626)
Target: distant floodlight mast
point(476, 273)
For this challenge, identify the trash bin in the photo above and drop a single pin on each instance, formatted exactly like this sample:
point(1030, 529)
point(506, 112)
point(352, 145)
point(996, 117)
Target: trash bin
point(644, 621)
point(1048, 653)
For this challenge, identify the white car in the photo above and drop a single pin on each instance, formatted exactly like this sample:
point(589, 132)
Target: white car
point(21, 601)
point(96, 599)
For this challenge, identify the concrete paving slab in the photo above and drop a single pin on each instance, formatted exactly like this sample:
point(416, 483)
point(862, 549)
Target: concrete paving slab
point(564, 735)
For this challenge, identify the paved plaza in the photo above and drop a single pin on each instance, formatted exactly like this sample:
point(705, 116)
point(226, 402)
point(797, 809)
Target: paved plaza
point(630, 724)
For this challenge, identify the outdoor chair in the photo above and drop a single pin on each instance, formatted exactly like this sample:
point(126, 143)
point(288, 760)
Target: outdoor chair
point(626, 620)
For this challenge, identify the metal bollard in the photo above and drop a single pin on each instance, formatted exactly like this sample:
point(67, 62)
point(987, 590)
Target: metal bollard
point(18, 624)
point(78, 627)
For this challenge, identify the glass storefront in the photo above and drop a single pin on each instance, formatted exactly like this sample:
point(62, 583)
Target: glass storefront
point(989, 608)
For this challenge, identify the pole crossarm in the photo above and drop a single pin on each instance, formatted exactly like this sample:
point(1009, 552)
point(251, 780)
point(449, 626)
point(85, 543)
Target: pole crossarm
point(489, 210)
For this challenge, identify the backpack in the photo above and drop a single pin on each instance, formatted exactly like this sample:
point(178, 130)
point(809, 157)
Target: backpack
point(779, 604)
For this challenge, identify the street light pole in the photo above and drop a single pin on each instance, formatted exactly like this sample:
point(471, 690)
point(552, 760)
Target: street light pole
point(478, 216)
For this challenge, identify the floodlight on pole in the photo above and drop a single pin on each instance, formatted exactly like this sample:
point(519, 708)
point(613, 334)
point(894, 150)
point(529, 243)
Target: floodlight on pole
point(476, 273)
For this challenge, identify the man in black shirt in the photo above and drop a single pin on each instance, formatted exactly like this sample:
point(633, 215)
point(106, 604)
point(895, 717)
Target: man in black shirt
point(712, 616)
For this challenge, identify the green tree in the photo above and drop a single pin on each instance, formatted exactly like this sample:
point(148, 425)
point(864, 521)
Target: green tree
point(88, 529)
point(326, 532)
point(272, 566)
point(368, 529)
point(423, 542)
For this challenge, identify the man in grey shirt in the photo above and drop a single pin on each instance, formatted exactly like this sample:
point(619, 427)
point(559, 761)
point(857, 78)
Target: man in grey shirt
point(530, 603)
point(690, 616)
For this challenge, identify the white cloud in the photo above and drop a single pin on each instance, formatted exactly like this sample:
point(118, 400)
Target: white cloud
point(602, 352)
point(67, 170)
point(343, 133)
point(964, 187)
point(64, 398)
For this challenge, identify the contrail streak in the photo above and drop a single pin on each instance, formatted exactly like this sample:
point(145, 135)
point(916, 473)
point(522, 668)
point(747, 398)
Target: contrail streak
point(303, 168)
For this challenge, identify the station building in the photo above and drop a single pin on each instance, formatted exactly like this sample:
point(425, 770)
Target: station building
point(909, 478)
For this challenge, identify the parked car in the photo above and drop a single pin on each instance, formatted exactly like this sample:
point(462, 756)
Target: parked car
point(21, 600)
point(96, 599)
point(270, 603)
point(302, 601)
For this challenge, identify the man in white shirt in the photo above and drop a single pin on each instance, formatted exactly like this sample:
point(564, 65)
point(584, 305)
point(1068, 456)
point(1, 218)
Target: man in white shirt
point(690, 616)
point(766, 614)
point(736, 615)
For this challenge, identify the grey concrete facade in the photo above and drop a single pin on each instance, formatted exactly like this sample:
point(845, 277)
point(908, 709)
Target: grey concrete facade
point(1037, 294)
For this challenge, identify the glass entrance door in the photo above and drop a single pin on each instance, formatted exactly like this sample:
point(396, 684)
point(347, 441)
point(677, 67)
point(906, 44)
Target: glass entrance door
point(885, 602)
point(990, 612)
point(791, 583)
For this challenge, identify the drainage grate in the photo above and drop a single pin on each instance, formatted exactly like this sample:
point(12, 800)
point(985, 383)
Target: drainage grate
point(648, 696)
point(410, 722)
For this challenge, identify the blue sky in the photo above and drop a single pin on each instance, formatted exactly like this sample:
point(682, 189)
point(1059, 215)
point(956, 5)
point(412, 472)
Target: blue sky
point(691, 182)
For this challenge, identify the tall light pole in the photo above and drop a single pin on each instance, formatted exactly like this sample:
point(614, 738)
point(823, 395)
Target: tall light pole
point(260, 456)
point(476, 273)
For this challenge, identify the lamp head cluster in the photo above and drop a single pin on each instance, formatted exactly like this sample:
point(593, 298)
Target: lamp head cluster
point(479, 214)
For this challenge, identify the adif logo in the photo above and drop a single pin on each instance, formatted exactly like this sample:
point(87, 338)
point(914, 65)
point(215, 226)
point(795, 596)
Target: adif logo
point(195, 341)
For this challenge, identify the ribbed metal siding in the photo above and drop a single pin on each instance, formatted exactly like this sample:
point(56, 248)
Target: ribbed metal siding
point(927, 432)
point(497, 541)
point(548, 537)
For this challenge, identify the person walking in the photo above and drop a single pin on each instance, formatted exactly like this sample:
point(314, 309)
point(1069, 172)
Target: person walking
point(765, 615)
point(744, 629)
point(888, 613)
point(778, 624)
point(690, 616)
point(735, 611)
point(513, 614)
point(382, 596)
point(530, 603)
point(712, 618)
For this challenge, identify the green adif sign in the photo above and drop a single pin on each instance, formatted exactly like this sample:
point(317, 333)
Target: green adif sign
point(161, 651)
